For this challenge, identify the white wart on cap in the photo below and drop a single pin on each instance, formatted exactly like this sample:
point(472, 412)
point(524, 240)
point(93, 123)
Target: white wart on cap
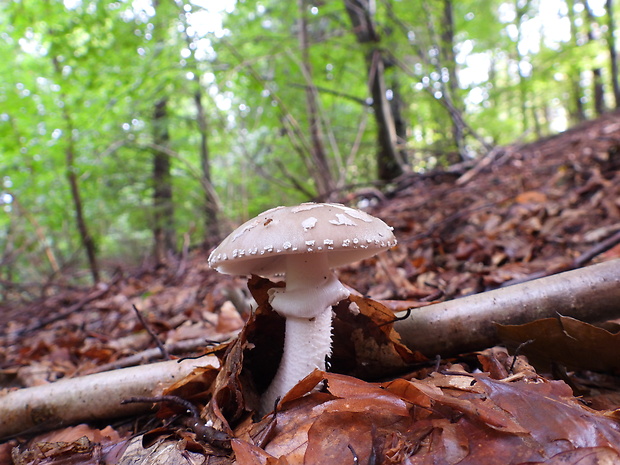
point(303, 243)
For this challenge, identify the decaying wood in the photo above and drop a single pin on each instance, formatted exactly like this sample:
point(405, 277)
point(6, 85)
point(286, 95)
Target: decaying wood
point(590, 294)
point(89, 397)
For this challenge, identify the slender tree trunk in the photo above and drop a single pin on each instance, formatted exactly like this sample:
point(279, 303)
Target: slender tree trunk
point(163, 227)
point(211, 200)
point(599, 92)
point(390, 161)
point(597, 73)
point(322, 174)
point(212, 227)
point(71, 172)
point(613, 56)
point(523, 91)
point(578, 114)
point(449, 61)
point(87, 239)
point(400, 125)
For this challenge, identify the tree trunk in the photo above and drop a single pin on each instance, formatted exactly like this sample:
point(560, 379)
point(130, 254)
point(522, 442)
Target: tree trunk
point(87, 240)
point(597, 74)
point(577, 113)
point(322, 173)
point(212, 227)
point(599, 92)
point(613, 56)
point(71, 172)
point(390, 161)
point(163, 224)
point(523, 87)
point(449, 61)
point(400, 125)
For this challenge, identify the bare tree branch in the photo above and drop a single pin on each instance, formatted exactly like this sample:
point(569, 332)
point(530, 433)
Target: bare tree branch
point(90, 397)
point(463, 325)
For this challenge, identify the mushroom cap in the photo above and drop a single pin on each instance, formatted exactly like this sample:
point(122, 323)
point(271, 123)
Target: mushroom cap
point(261, 245)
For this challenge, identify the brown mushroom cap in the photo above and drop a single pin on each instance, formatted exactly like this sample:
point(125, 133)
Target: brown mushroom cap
point(260, 246)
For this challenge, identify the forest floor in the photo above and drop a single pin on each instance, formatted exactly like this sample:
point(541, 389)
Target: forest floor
point(522, 212)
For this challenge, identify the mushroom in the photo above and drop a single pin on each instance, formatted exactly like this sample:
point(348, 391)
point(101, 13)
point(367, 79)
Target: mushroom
point(303, 243)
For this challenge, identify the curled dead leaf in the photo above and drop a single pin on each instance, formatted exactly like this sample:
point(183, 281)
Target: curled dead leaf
point(566, 341)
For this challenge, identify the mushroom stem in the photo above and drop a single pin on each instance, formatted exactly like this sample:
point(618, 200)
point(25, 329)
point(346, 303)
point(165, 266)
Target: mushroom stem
point(301, 354)
point(306, 302)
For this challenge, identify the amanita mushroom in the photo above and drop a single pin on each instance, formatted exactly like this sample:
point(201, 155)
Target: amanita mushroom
point(303, 243)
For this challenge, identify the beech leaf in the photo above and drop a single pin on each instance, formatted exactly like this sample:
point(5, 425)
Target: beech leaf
point(566, 341)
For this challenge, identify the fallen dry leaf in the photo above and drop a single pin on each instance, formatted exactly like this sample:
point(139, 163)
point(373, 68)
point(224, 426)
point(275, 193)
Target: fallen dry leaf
point(565, 341)
point(484, 421)
point(79, 444)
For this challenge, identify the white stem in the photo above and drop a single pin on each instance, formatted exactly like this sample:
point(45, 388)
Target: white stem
point(306, 302)
point(306, 344)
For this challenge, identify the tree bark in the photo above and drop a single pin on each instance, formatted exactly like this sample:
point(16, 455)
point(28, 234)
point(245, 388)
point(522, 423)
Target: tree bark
point(87, 239)
point(390, 161)
point(163, 207)
point(465, 325)
point(400, 124)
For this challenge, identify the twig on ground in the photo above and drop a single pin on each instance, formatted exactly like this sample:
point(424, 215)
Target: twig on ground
point(517, 351)
point(578, 262)
point(187, 405)
point(598, 249)
point(72, 309)
point(160, 345)
point(181, 347)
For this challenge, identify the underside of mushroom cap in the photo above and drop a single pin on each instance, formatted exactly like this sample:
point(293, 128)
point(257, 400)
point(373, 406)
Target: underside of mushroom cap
point(260, 246)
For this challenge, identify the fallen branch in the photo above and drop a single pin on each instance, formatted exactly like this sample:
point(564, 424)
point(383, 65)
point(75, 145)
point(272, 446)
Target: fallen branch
point(464, 325)
point(91, 397)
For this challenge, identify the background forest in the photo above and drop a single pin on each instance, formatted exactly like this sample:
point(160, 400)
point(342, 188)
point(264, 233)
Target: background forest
point(132, 129)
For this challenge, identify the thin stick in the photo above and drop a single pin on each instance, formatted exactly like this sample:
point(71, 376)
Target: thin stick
point(187, 405)
point(164, 352)
point(72, 309)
